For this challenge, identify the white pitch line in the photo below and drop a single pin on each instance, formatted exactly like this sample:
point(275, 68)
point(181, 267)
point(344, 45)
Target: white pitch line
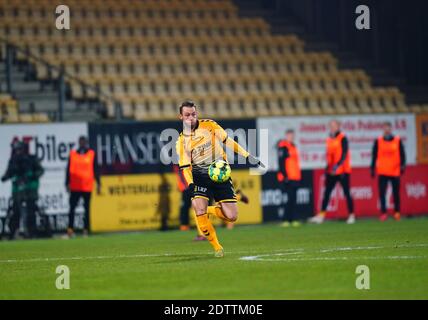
point(350, 249)
point(288, 251)
point(263, 257)
point(256, 258)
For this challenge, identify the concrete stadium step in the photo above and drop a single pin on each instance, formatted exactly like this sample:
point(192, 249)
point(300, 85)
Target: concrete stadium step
point(15, 76)
point(42, 105)
point(81, 116)
point(27, 87)
point(31, 97)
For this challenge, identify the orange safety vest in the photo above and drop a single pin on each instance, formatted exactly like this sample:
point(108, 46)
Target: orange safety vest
point(292, 164)
point(81, 171)
point(388, 157)
point(334, 153)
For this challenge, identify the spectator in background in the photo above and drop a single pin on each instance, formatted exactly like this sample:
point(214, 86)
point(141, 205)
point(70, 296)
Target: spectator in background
point(82, 171)
point(338, 170)
point(388, 162)
point(289, 175)
point(25, 171)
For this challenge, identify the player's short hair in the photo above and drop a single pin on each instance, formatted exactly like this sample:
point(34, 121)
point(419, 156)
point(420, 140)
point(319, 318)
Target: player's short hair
point(187, 103)
point(289, 131)
point(388, 124)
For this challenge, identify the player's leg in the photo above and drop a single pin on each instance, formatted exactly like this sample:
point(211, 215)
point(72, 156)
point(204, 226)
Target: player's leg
point(382, 184)
point(15, 218)
point(199, 235)
point(74, 198)
point(286, 219)
point(31, 213)
point(395, 181)
point(345, 181)
point(87, 206)
point(219, 212)
point(200, 205)
point(291, 203)
point(224, 194)
point(229, 210)
point(330, 182)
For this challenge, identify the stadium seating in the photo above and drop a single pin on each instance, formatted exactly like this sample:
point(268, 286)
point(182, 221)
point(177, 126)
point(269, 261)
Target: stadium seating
point(9, 112)
point(150, 55)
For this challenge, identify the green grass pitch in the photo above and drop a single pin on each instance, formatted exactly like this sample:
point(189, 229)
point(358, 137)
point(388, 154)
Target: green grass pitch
point(261, 262)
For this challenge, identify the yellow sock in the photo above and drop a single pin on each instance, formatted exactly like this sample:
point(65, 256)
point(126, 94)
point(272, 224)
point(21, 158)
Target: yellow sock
point(216, 210)
point(208, 230)
point(198, 228)
point(322, 213)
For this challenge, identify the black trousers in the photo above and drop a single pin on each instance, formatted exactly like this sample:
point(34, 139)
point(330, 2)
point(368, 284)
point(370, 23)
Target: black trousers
point(330, 183)
point(186, 203)
point(383, 184)
point(290, 188)
point(19, 206)
point(74, 199)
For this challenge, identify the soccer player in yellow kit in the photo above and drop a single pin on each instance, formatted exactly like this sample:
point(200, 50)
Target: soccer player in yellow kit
point(200, 144)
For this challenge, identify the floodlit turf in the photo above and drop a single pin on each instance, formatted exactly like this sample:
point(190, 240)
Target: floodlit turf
point(261, 262)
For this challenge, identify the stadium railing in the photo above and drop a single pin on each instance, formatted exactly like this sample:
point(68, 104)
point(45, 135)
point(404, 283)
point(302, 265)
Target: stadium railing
point(58, 76)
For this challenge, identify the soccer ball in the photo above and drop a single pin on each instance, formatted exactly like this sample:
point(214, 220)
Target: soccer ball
point(219, 171)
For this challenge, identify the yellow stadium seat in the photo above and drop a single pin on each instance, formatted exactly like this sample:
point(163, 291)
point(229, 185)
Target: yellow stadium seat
point(40, 117)
point(25, 117)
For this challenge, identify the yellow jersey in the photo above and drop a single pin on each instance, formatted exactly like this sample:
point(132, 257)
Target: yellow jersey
point(204, 145)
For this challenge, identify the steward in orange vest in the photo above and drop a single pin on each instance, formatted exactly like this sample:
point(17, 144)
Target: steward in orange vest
point(338, 170)
point(289, 163)
point(337, 155)
point(388, 162)
point(289, 175)
point(82, 172)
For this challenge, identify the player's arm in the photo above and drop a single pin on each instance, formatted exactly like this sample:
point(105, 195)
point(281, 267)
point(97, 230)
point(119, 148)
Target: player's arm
point(9, 172)
point(187, 174)
point(236, 147)
point(38, 169)
point(344, 151)
point(233, 145)
point(374, 158)
point(402, 157)
point(283, 154)
point(184, 160)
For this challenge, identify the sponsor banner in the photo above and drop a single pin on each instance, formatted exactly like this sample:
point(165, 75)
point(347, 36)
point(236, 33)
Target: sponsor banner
point(51, 143)
point(133, 147)
point(422, 130)
point(362, 130)
point(274, 198)
point(149, 147)
point(364, 190)
point(134, 202)
point(139, 201)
